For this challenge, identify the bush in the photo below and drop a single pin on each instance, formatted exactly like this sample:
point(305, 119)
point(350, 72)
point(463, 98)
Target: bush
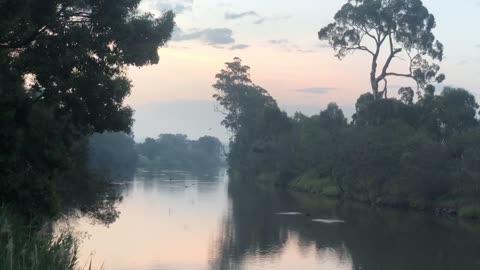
point(470, 211)
point(23, 248)
point(312, 183)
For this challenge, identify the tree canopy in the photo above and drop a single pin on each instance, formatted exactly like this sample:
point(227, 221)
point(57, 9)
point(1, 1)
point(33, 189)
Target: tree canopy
point(260, 129)
point(72, 55)
point(401, 28)
point(62, 78)
point(113, 154)
point(238, 96)
point(176, 151)
point(396, 152)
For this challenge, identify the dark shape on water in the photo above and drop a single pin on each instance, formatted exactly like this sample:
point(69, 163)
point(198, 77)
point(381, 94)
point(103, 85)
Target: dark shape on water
point(290, 213)
point(328, 221)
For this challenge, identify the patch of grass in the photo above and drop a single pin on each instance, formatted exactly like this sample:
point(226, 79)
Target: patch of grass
point(266, 178)
point(470, 211)
point(23, 248)
point(311, 182)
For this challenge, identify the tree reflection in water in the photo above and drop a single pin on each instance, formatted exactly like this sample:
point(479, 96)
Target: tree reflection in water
point(371, 239)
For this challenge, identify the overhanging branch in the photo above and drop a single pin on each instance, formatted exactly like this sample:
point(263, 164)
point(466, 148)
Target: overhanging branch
point(25, 42)
point(398, 75)
point(361, 48)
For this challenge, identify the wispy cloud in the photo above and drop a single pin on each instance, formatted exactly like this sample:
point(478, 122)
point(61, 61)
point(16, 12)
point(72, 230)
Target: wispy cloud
point(210, 36)
point(259, 19)
point(316, 90)
point(274, 18)
point(177, 47)
point(224, 4)
point(323, 45)
point(300, 49)
point(239, 47)
point(278, 41)
point(178, 6)
point(462, 62)
point(286, 45)
point(235, 16)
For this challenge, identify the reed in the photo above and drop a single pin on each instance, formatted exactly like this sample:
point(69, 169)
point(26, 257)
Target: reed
point(27, 248)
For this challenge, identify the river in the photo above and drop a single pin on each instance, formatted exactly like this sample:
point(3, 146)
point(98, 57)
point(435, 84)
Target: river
point(194, 221)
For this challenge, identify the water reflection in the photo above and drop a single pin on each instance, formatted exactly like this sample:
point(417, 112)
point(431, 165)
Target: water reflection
point(370, 239)
point(256, 237)
point(167, 220)
point(183, 220)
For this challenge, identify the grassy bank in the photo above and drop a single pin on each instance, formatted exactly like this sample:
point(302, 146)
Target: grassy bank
point(26, 247)
point(323, 186)
point(312, 183)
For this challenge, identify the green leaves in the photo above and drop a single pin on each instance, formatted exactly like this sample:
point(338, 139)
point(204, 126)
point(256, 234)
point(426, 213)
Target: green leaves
point(403, 27)
point(240, 98)
point(77, 52)
point(72, 55)
point(171, 151)
point(142, 35)
point(403, 153)
point(262, 138)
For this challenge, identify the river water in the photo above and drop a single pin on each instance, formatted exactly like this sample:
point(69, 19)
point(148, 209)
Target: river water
point(193, 221)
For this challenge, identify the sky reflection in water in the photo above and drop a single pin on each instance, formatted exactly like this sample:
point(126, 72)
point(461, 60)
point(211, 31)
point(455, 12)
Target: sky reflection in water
point(178, 220)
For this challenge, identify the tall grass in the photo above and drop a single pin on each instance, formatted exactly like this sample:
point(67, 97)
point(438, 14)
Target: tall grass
point(25, 248)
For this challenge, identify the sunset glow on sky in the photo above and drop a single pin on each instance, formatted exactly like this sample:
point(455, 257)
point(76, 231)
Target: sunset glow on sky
point(278, 40)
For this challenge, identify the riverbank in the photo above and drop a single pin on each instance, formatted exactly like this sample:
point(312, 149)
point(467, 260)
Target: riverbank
point(325, 186)
point(30, 247)
point(311, 183)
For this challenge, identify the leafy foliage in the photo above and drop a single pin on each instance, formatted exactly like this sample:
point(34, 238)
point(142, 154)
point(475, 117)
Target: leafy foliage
point(260, 129)
point(238, 96)
point(62, 77)
point(178, 152)
point(400, 26)
point(21, 249)
point(113, 154)
point(394, 152)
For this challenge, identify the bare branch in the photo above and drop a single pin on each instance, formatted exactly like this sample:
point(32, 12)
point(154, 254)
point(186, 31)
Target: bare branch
point(361, 48)
point(25, 42)
point(367, 32)
point(363, 29)
point(393, 52)
point(398, 75)
point(382, 39)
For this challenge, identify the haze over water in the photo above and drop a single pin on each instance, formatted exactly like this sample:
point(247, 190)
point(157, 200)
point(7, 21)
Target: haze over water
point(200, 222)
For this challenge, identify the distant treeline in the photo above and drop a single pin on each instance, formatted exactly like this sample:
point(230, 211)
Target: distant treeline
point(177, 151)
point(118, 155)
point(422, 154)
point(113, 154)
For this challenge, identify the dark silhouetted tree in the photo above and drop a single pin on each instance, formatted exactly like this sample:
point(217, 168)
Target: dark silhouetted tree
point(396, 26)
point(238, 96)
point(62, 78)
point(176, 151)
point(262, 137)
point(406, 95)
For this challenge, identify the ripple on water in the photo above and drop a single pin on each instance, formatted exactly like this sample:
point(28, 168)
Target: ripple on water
point(328, 221)
point(290, 213)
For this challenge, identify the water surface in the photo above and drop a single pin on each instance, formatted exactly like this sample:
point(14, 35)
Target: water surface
point(181, 220)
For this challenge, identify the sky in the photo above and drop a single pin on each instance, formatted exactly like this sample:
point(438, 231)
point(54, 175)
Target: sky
point(278, 40)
